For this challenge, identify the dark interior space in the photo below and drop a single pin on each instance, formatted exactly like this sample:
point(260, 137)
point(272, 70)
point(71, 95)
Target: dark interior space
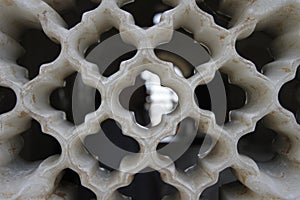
point(189, 155)
point(213, 8)
point(73, 15)
point(134, 99)
point(259, 144)
point(148, 186)
point(79, 192)
point(289, 96)
point(144, 11)
point(7, 98)
point(256, 48)
point(38, 145)
point(61, 98)
point(39, 49)
point(213, 192)
point(108, 157)
point(235, 98)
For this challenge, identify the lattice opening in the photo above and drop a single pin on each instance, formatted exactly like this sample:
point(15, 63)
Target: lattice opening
point(38, 145)
point(134, 99)
point(235, 98)
point(187, 134)
point(205, 56)
point(111, 32)
point(7, 98)
point(289, 96)
point(97, 100)
point(202, 97)
point(181, 66)
point(257, 49)
point(104, 36)
point(259, 144)
point(150, 10)
point(109, 52)
point(77, 191)
point(61, 98)
point(188, 57)
point(148, 99)
point(101, 145)
point(72, 16)
point(213, 7)
point(213, 192)
point(148, 186)
point(39, 49)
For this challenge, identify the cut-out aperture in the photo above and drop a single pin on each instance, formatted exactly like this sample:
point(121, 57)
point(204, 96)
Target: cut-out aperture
point(213, 192)
point(113, 131)
point(110, 145)
point(38, 145)
point(148, 99)
point(259, 145)
point(109, 52)
point(107, 34)
point(8, 99)
point(181, 66)
point(256, 48)
point(39, 49)
point(71, 179)
point(134, 99)
point(188, 57)
point(104, 36)
point(149, 10)
point(202, 97)
point(75, 99)
point(213, 8)
point(97, 99)
point(203, 56)
point(187, 145)
point(235, 98)
point(289, 96)
point(73, 15)
point(115, 65)
point(61, 98)
point(148, 186)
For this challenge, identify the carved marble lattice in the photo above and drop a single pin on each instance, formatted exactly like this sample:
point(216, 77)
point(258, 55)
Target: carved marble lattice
point(276, 179)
